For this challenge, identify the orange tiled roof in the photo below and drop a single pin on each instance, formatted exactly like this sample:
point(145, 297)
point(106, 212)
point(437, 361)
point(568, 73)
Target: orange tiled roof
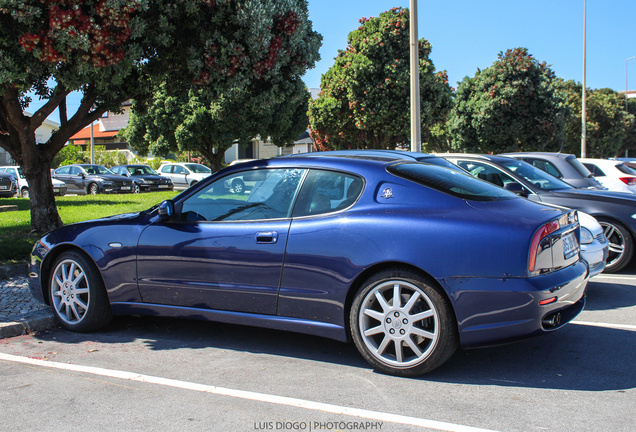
point(86, 133)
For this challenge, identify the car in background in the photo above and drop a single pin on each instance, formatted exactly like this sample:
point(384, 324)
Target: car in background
point(92, 179)
point(397, 255)
point(8, 185)
point(148, 179)
point(59, 187)
point(238, 161)
point(184, 175)
point(613, 174)
point(561, 165)
point(614, 211)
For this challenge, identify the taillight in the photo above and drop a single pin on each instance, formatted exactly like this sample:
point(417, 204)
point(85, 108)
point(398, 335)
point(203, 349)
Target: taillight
point(629, 181)
point(541, 233)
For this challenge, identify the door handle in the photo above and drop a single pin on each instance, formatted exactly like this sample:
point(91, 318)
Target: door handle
point(267, 237)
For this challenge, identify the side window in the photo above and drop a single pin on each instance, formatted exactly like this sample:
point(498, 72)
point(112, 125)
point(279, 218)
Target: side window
point(546, 166)
point(166, 169)
point(486, 172)
point(116, 170)
point(266, 194)
point(63, 170)
point(596, 171)
point(178, 169)
point(75, 171)
point(327, 191)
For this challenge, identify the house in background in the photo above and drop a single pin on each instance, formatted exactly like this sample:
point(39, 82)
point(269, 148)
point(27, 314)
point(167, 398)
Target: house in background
point(42, 135)
point(105, 131)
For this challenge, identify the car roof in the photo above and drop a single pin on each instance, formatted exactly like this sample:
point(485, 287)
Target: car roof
point(541, 154)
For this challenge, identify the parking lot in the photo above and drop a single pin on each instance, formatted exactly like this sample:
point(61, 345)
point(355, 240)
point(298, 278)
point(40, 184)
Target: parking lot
point(166, 374)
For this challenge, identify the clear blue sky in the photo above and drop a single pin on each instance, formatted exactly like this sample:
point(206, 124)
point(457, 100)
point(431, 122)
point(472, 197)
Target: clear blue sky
point(468, 34)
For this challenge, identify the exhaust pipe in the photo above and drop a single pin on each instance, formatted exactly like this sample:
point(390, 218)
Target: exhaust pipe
point(552, 320)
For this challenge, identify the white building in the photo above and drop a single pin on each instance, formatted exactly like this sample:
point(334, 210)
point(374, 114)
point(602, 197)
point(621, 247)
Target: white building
point(42, 135)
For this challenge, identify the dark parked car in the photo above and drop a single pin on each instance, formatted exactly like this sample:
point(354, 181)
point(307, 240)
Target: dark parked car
point(615, 211)
point(8, 185)
point(561, 165)
point(148, 179)
point(396, 255)
point(93, 179)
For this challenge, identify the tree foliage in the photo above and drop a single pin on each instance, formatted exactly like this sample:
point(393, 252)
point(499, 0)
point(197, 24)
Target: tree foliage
point(210, 125)
point(365, 96)
point(514, 105)
point(607, 124)
point(114, 50)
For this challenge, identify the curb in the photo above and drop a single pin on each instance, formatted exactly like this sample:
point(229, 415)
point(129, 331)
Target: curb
point(37, 321)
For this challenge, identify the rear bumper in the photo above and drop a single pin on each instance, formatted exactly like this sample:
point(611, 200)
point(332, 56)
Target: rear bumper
point(493, 311)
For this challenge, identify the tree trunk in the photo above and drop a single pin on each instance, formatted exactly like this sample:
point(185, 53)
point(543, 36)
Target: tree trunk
point(44, 214)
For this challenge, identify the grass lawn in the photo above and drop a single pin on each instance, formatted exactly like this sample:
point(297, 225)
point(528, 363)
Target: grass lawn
point(16, 240)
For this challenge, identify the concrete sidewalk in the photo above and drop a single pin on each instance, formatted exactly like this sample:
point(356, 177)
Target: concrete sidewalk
point(20, 312)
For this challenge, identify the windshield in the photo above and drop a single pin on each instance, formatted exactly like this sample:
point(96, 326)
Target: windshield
point(535, 176)
point(141, 170)
point(198, 168)
point(96, 169)
point(450, 181)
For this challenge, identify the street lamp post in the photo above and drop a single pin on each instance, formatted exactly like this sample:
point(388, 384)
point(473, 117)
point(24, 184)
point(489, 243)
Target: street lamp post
point(416, 136)
point(584, 107)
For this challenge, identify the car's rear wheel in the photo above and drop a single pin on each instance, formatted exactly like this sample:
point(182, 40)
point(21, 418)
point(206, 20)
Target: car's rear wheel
point(238, 186)
point(402, 324)
point(25, 192)
point(92, 189)
point(77, 293)
point(621, 244)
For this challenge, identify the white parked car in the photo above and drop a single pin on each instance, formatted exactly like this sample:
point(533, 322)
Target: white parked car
point(184, 174)
point(613, 174)
point(594, 244)
point(59, 187)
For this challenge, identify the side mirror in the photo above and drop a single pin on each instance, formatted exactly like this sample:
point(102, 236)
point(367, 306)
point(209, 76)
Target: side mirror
point(166, 209)
point(516, 188)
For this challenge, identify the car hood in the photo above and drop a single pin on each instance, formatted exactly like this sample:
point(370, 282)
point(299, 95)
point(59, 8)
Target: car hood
point(149, 177)
point(109, 177)
point(597, 195)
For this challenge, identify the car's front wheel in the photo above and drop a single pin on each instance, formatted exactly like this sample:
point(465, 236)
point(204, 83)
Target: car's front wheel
point(92, 189)
point(238, 186)
point(77, 293)
point(25, 192)
point(136, 189)
point(402, 324)
point(621, 244)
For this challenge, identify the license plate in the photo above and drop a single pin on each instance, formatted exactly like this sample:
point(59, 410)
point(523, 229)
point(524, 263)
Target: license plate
point(163, 186)
point(570, 245)
point(125, 188)
point(56, 190)
point(4, 187)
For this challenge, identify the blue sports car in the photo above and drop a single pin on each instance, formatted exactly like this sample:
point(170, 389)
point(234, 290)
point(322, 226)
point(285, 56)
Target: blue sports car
point(407, 259)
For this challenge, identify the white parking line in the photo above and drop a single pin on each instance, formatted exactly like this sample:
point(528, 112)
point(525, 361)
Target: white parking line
point(606, 325)
point(241, 394)
point(613, 277)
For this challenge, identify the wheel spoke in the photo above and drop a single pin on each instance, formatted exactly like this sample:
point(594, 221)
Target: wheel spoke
point(81, 304)
point(397, 300)
point(383, 304)
point(374, 314)
point(59, 281)
point(411, 302)
point(79, 291)
point(423, 333)
point(68, 313)
point(75, 313)
point(374, 331)
point(78, 278)
point(399, 354)
point(422, 315)
point(609, 230)
point(613, 247)
point(71, 270)
point(383, 345)
point(414, 347)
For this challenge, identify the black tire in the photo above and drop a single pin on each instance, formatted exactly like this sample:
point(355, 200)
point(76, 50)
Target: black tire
point(25, 192)
point(238, 186)
point(621, 247)
point(77, 293)
point(400, 341)
point(193, 183)
point(92, 189)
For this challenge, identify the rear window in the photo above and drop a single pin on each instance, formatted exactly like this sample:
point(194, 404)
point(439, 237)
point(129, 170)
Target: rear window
point(450, 181)
point(578, 166)
point(625, 169)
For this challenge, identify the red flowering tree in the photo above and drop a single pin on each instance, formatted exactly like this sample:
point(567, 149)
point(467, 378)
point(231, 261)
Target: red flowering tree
point(514, 105)
point(365, 97)
point(115, 50)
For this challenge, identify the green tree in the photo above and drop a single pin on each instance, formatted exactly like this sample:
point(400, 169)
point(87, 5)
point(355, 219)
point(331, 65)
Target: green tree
point(607, 124)
point(365, 96)
point(115, 50)
point(195, 121)
point(514, 105)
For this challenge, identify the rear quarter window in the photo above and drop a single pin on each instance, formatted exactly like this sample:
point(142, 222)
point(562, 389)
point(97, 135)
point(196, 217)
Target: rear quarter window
point(449, 181)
